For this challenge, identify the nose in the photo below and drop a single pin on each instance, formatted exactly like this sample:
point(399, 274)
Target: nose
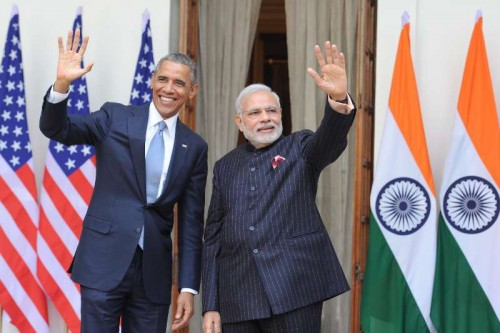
point(265, 116)
point(168, 86)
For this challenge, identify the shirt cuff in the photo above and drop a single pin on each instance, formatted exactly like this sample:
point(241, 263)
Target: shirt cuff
point(189, 290)
point(55, 97)
point(341, 107)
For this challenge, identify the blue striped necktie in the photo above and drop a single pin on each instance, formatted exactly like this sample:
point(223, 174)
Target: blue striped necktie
point(154, 168)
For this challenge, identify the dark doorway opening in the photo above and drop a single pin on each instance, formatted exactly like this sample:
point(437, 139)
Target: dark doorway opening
point(269, 61)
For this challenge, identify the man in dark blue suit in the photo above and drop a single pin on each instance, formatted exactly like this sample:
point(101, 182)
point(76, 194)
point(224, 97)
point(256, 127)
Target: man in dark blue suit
point(268, 262)
point(147, 160)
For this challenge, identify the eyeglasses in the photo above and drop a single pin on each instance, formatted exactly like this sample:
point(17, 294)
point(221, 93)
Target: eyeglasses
point(272, 111)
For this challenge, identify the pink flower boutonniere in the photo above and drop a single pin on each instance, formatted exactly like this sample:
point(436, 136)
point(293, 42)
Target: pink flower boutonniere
point(277, 160)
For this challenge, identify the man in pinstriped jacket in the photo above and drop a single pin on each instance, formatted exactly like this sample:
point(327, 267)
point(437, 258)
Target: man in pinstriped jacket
point(268, 262)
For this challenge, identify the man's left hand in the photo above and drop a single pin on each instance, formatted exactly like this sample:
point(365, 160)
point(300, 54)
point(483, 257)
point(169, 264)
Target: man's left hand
point(185, 310)
point(333, 79)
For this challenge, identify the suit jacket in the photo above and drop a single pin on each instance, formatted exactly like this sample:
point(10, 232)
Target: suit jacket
point(266, 249)
point(118, 208)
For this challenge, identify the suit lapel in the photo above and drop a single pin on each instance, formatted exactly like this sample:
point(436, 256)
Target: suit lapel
point(137, 136)
point(181, 147)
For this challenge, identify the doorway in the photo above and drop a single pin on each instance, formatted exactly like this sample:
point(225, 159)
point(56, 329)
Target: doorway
point(269, 61)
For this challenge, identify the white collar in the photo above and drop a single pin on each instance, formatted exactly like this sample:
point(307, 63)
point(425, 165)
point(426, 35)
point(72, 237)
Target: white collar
point(155, 117)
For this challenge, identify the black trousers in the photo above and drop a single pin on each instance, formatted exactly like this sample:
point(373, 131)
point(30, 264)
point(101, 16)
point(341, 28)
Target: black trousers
point(101, 310)
point(306, 319)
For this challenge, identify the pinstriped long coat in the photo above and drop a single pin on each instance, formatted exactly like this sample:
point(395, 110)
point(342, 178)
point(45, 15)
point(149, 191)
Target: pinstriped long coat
point(266, 248)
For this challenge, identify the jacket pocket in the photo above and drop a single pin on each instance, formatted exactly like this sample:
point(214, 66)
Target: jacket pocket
point(306, 235)
point(97, 225)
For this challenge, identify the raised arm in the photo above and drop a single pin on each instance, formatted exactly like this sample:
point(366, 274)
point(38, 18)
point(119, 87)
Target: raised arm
point(333, 79)
point(70, 59)
point(330, 139)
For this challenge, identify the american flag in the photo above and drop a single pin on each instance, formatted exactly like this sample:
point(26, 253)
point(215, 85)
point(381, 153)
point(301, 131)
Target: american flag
point(21, 295)
point(141, 88)
point(68, 182)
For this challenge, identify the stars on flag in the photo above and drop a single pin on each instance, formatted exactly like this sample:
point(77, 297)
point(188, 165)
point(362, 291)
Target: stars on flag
point(141, 87)
point(70, 158)
point(14, 135)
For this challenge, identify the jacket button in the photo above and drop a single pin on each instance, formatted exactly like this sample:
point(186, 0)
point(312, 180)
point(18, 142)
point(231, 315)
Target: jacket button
point(252, 228)
point(252, 169)
point(138, 230)
point(252, 206)
point(255, 251)
point(252, 188)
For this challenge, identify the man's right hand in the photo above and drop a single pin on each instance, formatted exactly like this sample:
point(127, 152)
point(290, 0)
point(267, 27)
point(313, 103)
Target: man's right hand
point(211, 322)
point(70, 58)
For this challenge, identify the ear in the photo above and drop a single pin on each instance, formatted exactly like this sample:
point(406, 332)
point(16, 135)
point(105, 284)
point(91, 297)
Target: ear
point(238, 121)
point(194, 90)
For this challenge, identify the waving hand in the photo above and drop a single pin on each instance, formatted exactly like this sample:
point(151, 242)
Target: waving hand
point(333, 79)
point(70, 58)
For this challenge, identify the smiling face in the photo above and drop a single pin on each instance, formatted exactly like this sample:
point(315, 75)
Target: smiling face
point(260, 120)
point(172, 87)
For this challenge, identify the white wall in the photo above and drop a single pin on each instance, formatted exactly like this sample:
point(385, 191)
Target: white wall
point(114, 27)
point(440, 32)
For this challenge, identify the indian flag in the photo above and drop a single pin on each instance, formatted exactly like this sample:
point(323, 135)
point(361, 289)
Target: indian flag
point(467, 284)
point(401, 254)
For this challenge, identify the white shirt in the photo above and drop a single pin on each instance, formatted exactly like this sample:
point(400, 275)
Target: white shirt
point(168, 139)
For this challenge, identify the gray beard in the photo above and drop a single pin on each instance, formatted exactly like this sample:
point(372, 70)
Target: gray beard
point(262, 139)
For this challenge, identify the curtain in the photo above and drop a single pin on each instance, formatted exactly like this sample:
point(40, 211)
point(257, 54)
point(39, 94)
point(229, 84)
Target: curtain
point(226, 34)
point(310, 23)
point(227, 30)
